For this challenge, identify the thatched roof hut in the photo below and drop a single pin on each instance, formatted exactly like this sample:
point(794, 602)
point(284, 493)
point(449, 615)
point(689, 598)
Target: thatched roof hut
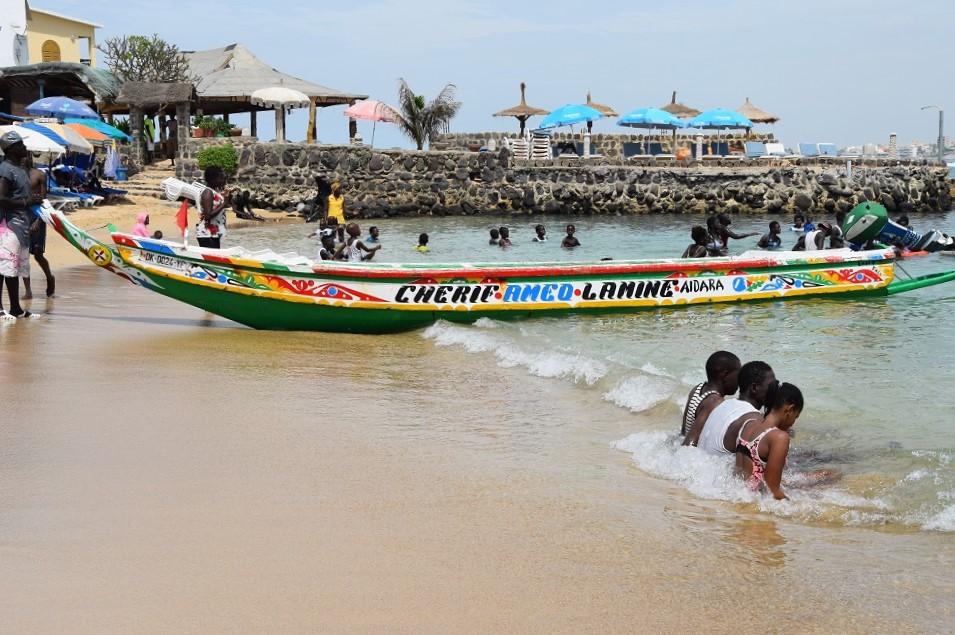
point(755, 114)
point(606, 111)
point(22, 85)
point(154, 97)
point(677, 109)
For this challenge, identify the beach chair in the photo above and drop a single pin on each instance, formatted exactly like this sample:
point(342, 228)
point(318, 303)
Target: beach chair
point(809, 150)
point(540, 148)
point(520, 148)
point(756, 150)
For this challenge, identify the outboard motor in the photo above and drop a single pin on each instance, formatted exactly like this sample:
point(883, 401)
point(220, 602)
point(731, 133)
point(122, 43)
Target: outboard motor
point(870, 221)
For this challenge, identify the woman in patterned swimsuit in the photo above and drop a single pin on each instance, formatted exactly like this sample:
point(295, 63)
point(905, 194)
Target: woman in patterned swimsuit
point(722, 377)
point(763, 444)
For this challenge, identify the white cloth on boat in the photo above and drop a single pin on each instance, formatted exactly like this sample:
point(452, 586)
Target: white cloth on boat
point(811, 240)
point(719, 421)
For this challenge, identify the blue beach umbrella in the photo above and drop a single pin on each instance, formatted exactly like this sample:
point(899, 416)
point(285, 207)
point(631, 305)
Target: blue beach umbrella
point(719, 119)
point(101, 126)
point(651, 119)
point(569, 115)
point(61, 107)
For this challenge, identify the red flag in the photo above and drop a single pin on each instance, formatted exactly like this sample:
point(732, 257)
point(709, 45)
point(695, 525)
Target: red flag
point(182, 220)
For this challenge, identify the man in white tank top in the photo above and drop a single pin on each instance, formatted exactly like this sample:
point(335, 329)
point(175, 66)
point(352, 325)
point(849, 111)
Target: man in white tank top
point(756, 380)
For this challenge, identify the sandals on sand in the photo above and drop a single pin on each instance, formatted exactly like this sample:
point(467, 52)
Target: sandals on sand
point(6, 317)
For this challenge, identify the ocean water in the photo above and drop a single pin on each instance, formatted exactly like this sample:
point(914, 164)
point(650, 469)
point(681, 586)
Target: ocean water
point(876, 374)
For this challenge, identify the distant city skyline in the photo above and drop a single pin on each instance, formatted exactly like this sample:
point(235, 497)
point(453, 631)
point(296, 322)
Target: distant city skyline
point(848, 72)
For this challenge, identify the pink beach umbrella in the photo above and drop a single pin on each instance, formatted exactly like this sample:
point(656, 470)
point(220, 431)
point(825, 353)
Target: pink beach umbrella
point(371, 110)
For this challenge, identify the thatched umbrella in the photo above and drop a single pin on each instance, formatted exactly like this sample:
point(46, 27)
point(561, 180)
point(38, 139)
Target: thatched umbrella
point(606, 111)
point(677, 109)
point(522, 111)
point(756, 115)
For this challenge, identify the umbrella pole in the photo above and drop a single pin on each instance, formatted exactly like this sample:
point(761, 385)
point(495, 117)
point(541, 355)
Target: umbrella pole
point(374, 123)
point(280, 124)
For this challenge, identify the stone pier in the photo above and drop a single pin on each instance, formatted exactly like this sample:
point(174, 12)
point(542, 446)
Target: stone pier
point(403, 182)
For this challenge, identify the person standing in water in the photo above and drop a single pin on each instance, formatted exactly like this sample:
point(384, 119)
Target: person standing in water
point(540, 234)
point(336, 204)
point(570, 241)
point(698, 248)
point(354, 249)
point(422, 246)
point(772, 240)
point(38, 231)
point(722, 379)
point(720, 430)
point(505, 234)
point(495, 237)
point(724, 233)
point(212, 209)
point(762, 445)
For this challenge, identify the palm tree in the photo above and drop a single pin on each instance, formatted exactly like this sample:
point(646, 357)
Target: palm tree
point(422, 121)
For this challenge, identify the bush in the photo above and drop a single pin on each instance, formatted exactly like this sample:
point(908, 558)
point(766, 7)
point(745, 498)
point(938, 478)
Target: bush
point(223, 156)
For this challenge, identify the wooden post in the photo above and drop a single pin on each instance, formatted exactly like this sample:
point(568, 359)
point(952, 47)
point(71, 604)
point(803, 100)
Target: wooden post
point(311, 130)
point(280, 125)
point(225, 117)
point(253, 121)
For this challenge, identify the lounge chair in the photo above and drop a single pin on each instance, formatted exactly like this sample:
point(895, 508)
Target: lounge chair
point(540, 148)
point(756, 150)
point(520, 148)
point(809, 150)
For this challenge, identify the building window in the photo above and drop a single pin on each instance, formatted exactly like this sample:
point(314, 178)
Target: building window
point(51, 51)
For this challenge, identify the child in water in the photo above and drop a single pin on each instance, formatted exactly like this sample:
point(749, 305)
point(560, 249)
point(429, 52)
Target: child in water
point(570, 241)
point(505, 234)
point(698, 248)
point(541, 234)
point(422, 246)
point(353, 248)
point(772, 240)
point(495, 237)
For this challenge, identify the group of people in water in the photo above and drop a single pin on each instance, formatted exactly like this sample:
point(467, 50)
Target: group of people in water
point(754, 426)
point(713, 239)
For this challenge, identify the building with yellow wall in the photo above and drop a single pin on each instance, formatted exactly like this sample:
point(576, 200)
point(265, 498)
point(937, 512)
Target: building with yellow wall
point(53, 37)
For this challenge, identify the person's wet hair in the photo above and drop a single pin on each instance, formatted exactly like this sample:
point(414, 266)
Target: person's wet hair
point(538, 228)
point(494, 233)
point(784, 394)
point(423, 239)
point(698, 234)
point(752, 374)
point(719, 363)
point(772, 224)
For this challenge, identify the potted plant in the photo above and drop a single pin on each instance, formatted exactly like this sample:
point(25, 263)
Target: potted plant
point(208, 126)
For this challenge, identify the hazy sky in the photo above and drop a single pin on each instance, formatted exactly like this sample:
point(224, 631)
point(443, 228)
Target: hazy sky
point(843, 71)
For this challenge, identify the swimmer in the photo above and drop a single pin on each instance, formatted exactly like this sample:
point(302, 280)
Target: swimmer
point(540, 234)
point(157, 235)
point(722, 379)
point(373, 234)
point(505, 234)
point(422, 246)
point(714, 245)
point(352, 250)
point(570, 241)
point(720, 429)
point(799, 223)
point(771, 240)
point(763, 445)
point(698, 248)
point(724, 233)
point(495, 237)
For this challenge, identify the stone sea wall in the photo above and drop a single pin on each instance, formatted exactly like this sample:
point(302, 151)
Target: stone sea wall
point(401, 182)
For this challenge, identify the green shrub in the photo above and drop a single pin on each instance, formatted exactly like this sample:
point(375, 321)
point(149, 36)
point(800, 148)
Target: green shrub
point(223, 156)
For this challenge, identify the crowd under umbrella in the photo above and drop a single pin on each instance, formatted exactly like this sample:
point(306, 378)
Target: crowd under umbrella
point(61, 108)
point(373, 111)
point(719, 119)
point(604, 110)
point(651, 119)
point(756, 115)
point(522, 112)
point(279, 98)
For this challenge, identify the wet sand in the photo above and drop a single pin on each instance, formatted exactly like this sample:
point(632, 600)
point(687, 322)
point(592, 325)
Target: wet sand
point(165, 470)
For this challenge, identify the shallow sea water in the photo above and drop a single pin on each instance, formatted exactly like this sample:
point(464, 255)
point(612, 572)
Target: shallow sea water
point(162, 469)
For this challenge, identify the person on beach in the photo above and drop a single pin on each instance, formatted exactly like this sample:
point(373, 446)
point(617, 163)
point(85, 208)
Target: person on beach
point(570, 241)
point(422, 246)
point(720, 429)
point(722, 379)
point(212, 209)
point(772, 240)
point(318, 210)
point(172, 139)
point(697, 248)
point(540, 234)
point(724, 233)
point(762, 445)
point(142, 225)
point(157, 235)
point(16, 202)
point(714, 246)
point(495, 237)
point(354, 250)
point(38, 232)
point(242, 206)
point(505, 234)
point(336, 204)
point(373, 234)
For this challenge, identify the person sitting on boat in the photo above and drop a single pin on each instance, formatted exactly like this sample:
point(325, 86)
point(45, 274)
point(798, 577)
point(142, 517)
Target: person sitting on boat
point(836, 238)
point(762, 445)
point(570, 241)
point(505, 234)
point(142, 225)
point(212, 215)
point(720, 429)
point(814, 239)
point(373, 234)
point(714, 246)
point(422, 246)
point(540, 234)
point(495, 237)
point(336, 204)
point(724, 233)
point(722, 379)
point(353, 249)
point(698, 248)
point(771, 241)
